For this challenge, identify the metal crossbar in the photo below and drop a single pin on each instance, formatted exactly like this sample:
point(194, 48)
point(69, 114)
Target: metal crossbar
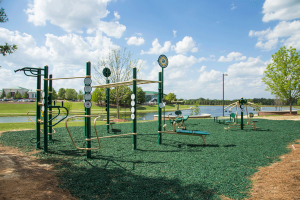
point(125, 83)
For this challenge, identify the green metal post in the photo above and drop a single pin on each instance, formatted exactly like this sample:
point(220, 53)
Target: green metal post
point(46, 109)
point(38, 109)
point(88, 119)
point(159, 109)
point(50, 109)
point(107, 106)
point(134, 120)
point(241, 102)
point(162, 83)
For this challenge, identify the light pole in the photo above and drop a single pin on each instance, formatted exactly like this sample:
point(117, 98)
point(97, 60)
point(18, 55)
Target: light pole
point(223, 92)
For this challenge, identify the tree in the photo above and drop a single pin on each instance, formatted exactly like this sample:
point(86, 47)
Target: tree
point(98, 95)
point(170, 97)
point(25, 95)
point(6, 49)
point(8, 96)
point(3, 94)
point(120, 64)
point(71, 94)
point(54, 94)
point(18, 95)
point(282, 75)
point(61, 93)
point(141, 95)
point(80, 95)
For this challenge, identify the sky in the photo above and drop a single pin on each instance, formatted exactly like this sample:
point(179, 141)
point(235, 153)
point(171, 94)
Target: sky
point(202, 40)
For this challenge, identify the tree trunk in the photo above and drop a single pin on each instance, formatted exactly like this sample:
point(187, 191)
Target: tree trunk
point(291, 106)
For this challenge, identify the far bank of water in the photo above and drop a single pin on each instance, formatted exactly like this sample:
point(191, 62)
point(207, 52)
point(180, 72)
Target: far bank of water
point(213, 110)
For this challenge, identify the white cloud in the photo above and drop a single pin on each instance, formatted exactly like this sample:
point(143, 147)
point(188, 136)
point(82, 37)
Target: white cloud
point(285, 32)
point(231, 56)
point(201, 69)
point(211, 58)
point(233, 7)
point(187, 44)
point(281, 10)
point(65, 55)
point(157, 48)
point(73, 15)
point(181, 62)
point(135, 41)
point(174, 32)
point(117, 16)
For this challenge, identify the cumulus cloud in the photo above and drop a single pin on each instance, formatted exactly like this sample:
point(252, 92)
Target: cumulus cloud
point(232, 56)
point(187, 44)
point(65, 55)
point(181, 61)
point(285, 32)
point(157, 48)
point(117, 16)
point(174, 32)
point(201, 69)
point(233, 6)
point(135, 41)
point(281, 10)
point(211, 58)
point(73, 15)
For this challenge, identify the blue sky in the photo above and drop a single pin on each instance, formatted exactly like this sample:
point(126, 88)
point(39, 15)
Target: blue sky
point(202, 40)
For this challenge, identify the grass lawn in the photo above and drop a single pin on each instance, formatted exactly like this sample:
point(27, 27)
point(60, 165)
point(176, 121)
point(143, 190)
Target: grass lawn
point(181, 168)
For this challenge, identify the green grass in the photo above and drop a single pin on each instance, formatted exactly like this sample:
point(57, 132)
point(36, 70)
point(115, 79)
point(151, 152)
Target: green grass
point(181, 168)
point(7, 109)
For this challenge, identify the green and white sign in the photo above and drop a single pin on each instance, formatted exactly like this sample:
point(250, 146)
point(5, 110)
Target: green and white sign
point(163, 61)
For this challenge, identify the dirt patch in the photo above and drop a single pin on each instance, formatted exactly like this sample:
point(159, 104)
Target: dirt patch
point(23, 177)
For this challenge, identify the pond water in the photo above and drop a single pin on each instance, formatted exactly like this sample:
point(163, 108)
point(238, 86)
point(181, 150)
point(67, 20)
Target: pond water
point(213, 110)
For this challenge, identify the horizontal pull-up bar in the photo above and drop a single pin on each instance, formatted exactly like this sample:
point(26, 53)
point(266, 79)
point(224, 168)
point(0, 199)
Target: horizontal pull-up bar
point(125, 83)
point(66, 78)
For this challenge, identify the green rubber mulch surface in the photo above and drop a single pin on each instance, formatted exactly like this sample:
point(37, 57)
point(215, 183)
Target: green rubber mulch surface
point(181, 168)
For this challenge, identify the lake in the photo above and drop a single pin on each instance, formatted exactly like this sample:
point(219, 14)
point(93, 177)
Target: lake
point(213, 110)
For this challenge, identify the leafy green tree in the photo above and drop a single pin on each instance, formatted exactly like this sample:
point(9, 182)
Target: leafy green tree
point(61, 93)
point(8, 96)
point(283, 75)
point(18, 95)
point(98, 95)
point(3, 94)
point(195, 110)
point(6, 49)
point(170, 97)
point(71, 94)
point(120, 64)
point(68, 105)
point(25, 95)
point(54, 94)
point(141, 95)
point(80, 95)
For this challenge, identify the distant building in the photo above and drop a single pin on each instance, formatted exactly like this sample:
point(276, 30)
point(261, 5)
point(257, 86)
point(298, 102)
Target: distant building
point(150, 95)
point(21, 90)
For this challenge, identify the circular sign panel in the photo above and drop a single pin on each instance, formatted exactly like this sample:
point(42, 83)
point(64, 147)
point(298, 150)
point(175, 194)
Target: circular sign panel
point(106, 72)
point(43, 101)
point(88, 89)
point(132, 103)
point(132, 96)
point(132, 116)
point(87, 104)
point(87, 97)
point(87, 81)
point(132, 109)
point(43, 94)
point(161, 105)
point(43, 108)
point(163, 61)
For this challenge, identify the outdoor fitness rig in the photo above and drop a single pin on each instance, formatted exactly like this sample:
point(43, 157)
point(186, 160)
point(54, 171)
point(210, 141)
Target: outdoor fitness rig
point(134, 82)
point(44, 109)
point(163, 62)
point(242, 104)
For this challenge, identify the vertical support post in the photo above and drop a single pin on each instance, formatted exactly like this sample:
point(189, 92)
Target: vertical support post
point(88, 119)
point(223, 95)
point(162, 84)
point(134, 120)
point(38, 109)
point(46, 109)
point(159, 109)
point(107, 106)
point(50, 109)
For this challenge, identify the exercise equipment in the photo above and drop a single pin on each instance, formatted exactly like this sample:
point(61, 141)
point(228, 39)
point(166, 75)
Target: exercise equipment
point(202, 134)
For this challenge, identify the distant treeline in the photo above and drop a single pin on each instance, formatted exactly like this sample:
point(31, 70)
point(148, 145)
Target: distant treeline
point(261, 101)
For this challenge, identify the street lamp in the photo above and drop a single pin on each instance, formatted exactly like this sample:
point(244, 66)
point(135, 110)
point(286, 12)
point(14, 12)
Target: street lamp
point(223, 92)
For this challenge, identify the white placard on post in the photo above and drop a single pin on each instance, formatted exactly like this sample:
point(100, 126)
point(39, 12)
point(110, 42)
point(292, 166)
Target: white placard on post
point(132, 116)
